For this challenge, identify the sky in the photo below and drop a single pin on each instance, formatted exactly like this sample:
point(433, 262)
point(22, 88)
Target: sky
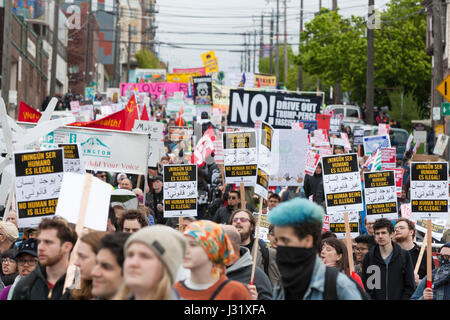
point(183, 27)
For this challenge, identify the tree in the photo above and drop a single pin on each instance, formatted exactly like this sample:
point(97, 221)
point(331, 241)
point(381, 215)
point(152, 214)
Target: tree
point(146, 59)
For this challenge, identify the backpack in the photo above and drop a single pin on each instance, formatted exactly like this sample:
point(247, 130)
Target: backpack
point(265, 255)
point(330, 291)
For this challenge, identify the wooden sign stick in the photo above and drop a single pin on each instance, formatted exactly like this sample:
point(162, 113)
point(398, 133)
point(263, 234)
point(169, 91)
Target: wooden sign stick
point(222, 174)
point(349, 244)
point(139, 182)
point(242, 190)
point(255, 245)
point(70, 274)
point(180, 224)
point(422, 250)
point(429, 252)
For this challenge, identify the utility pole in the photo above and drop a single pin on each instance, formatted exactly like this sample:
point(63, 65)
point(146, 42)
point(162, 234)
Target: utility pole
point(271, 44)
point(128, 53)
point(6, 53)
point(244, 54)
point(438, 71)
point(337, 83)
point(320, 5)
point(285, 45)
point(54, 48)
point(300, 68)
point(334, 5)
point(88, 45)
point(261, 40)
point(249, 52)
point(277, 51)
point(370, 88)
point(117, 47)
point(254, 51)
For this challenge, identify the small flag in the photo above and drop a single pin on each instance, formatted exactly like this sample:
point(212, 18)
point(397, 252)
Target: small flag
point(374, 161)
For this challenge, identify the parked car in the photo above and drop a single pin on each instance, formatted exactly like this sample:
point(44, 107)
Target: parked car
point(399, 137)
point(351, 114)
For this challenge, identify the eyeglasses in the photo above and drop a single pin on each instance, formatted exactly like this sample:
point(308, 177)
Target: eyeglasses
point(232, 198)
point(30, 262)
point(399, 228)
point(8, 260)
point(240, 219)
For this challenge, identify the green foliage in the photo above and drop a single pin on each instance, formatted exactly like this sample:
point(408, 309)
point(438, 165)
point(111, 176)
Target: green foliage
point(411, 110)
point(147, 60)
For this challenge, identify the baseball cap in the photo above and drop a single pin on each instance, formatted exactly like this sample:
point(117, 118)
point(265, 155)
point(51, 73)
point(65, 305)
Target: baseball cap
point(28, 246)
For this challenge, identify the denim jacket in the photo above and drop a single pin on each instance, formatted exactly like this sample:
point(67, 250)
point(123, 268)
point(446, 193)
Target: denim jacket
point(346, 289)
point(441, 293)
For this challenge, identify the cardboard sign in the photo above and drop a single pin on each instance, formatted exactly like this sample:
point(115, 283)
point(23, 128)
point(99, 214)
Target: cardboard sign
point(311, 162)
point(441, 144)
point(337, 224)
point(180, 190)
point(155, 144)
point(203, 90)
point(372, 143)
point(69, 202)
point(278, 109)
point(429, 190)
point(380, 195)
point(265, 161)
point(39, 176)
point(388, 158)
point(291, 158)
point(358, 136)
point(240, 157)
point(342, 183)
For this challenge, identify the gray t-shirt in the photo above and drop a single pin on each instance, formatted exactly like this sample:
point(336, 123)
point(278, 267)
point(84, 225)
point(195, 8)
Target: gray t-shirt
point(388, 258)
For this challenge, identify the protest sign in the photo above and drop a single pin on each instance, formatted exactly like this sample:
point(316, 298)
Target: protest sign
point(210, 62)
point(155, 144)
point(326, 223)
point(398, 180)
point(325, 151)
point(320, 138)
point(311, 162)
point(154, 90)
point(405, 210)
point(309, 125)
point(437, 228)
point(323, 121)
point(265, 81)
point(372, 143)
point(380, 195)
point(203, 90)
point(218, 148)
point(358, 136)
point(388, 158)
point(70, 200)
point(240, 80)
point(73, 161)
point(181, 141)
point(337, 224)
point(181, 77)
point(383, 129)
point(291, 158)
point(221, 98)
point(441, 144)
point(429, 190)
point(278, 109)
point(342, 184)
point(265, 160)
point(38, 181)
point(240, 157)
point(180, 190)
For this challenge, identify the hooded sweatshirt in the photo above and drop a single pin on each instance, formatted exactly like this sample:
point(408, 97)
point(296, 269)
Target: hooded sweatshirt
point(241, 271)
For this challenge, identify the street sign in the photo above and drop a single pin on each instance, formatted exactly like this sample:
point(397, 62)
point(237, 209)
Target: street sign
point(444, 88)
point(445, 108)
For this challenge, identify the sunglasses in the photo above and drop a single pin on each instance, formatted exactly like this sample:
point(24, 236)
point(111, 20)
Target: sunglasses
point(235, 220)
point(232, 198)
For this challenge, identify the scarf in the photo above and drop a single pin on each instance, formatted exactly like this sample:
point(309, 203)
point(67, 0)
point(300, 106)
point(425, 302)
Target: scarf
point(442, 274)
point(296, 266)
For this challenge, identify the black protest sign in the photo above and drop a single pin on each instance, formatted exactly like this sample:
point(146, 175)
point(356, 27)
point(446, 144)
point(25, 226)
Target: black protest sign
point(180, 190)
point(278, 109)
point(202, 90)
point(358, 136)
point(39, 176)
point(339, 228)
point(342, 184)
point(380, 195)
point(429, 190)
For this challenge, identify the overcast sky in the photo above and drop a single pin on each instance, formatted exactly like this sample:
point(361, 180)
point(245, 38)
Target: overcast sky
point(178, 18)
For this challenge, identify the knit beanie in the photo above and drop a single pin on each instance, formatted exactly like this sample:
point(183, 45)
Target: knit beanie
point(167, 243)
point(9, 230)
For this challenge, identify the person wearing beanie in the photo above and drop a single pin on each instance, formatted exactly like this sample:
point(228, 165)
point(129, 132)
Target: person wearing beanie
point(153, 256)
point(297, 227)
point(8, 235)
point(209, 251)
point(440, 279)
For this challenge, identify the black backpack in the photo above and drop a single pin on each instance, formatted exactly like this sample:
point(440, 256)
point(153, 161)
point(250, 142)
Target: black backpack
point(265, 255)
point(330, 292)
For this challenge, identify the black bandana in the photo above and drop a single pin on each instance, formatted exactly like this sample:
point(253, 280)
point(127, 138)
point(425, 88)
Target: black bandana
point(296, 266)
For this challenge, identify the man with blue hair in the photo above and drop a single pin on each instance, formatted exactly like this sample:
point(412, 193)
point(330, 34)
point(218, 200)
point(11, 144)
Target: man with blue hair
point(298, 226)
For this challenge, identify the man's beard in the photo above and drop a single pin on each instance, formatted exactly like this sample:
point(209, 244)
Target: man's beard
point(401, 239)
point(246, 235)
point(51, 260)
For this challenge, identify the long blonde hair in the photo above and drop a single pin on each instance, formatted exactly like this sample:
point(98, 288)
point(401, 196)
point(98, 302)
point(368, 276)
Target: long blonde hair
point(162, 290)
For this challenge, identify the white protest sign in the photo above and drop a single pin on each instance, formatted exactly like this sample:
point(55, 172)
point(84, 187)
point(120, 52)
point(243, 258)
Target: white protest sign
point(380, 195)
point(265, 159)
point(441, 144)
point(180, 190)
point(218, 148)
point(38, 181)
point(311, 162)
point(156, 145)
point(96, 216)
point(372, 143)
point(388, 158)
point(383, 129)
point(320, 138)
point(337, 224)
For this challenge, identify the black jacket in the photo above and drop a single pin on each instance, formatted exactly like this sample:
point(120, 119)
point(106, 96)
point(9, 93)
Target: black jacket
point(313, 185)
point(414, 252)
point(395, 280)
point(34, 287)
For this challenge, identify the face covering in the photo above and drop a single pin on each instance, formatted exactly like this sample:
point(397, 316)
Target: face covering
point(296, 266)
point(442, 274)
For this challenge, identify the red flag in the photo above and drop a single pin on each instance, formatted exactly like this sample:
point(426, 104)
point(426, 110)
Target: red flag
point(204, 148)
point(179, 120)
point(131, 113)
point(144, 115)
point(28, 114)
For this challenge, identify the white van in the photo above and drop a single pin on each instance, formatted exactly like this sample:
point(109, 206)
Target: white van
point(350, 113)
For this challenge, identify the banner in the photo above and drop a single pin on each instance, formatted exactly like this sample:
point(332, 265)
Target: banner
point(380, 195)
point(265, 81)
point(27, 113)
point(372, 143)
point(342, 183)
point(291, 158)
point(181, 77)
point(240, 157)
point(154, 90)
point(278, 109)
point(202, 90)
point(155, 143)
point(147, 75)
point(429, 190)
point(201, 70)
point(39, 176)
point(180, 190)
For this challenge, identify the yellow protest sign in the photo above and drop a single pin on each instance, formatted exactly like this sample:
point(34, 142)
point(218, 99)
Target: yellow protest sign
point(181, 77)
point(210, 62)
